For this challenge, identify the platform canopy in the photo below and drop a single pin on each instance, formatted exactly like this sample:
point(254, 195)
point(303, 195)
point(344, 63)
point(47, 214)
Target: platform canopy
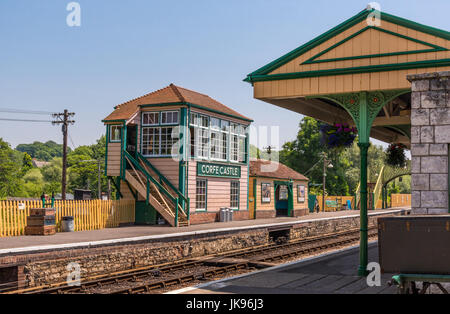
point(356, 73)
point(371, 52)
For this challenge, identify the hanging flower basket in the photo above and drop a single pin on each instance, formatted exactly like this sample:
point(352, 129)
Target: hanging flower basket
point(395, 155)
point(337, 136)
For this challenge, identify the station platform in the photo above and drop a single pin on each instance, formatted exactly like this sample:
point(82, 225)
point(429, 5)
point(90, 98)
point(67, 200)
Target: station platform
point(130, 234)
point(330, 273)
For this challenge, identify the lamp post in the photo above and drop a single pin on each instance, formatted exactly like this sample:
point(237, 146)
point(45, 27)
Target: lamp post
point(326, 163)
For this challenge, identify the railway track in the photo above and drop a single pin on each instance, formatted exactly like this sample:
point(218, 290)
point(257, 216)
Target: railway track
point(167, 276)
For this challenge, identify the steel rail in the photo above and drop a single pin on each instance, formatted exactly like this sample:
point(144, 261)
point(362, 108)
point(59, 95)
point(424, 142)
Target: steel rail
point(157, 270)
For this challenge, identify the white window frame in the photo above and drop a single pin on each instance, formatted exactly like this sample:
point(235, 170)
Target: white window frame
point(205, 195)
point(167, 112)
point(226, 128)
point(237, 195)
point(111, 133)
point(150, 113)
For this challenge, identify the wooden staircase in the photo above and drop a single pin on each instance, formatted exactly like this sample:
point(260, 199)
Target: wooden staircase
point(158, 194)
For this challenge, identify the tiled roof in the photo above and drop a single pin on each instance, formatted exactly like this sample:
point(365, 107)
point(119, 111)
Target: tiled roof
point(277, 170)
point(170, 94)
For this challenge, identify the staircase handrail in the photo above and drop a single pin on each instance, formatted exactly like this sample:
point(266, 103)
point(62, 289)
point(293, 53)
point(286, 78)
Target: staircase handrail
point(162, 177)
point(149, 177)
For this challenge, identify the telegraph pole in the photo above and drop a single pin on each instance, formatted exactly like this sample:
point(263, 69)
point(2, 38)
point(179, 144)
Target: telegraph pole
point(63, 118)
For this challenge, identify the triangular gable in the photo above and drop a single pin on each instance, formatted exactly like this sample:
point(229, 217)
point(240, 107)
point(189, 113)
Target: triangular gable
point(410, 39)
point(385, 50)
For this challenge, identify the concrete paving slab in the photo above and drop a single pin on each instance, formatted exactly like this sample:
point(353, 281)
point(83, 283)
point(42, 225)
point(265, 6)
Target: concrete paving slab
point(328, 273)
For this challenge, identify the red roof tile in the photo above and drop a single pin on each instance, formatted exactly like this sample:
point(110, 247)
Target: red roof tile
point(280, 171)
point(170, 94)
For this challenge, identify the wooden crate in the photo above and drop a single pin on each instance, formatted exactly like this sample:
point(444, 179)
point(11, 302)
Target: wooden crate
point(42, 211)
point(40, 230)
point(41, 221)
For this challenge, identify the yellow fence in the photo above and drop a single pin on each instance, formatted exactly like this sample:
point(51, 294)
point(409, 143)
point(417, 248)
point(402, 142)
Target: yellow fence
point(400, 200)
point(341, 201)
point(88, 215)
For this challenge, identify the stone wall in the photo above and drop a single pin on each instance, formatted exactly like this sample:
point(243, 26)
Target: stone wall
point(430, 138)
point(315, 228)
point(50, 266)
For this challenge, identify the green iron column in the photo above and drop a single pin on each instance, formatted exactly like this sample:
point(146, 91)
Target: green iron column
point(363, 246)
point(364, 126)
point(363, 107)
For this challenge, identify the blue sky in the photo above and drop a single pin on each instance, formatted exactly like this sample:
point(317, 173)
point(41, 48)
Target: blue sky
point(125, 49)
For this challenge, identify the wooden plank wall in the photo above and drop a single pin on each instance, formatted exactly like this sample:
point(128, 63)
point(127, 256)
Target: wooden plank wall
point(168, 168)
point(113, 166)
point(271, 205)
point(367, 43)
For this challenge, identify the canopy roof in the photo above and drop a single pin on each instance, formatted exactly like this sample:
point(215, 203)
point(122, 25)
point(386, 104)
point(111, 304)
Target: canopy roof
point(358, 55)
point(171, 95)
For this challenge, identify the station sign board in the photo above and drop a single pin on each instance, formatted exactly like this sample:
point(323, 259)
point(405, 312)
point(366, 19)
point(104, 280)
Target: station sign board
point(218, 170)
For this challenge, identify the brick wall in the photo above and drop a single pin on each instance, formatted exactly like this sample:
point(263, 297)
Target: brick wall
point(430, 138)
point(261, 214)
point(209, 217)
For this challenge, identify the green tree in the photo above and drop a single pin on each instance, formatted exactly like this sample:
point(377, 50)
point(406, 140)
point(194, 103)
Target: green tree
point(304, 155)
point(42, 151)
point(34, 183)
point(52, 175)
point(11, 171)
point(84, 167)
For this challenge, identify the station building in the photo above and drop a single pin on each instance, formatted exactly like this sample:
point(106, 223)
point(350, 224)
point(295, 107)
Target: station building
point(180, 154)
point(276, 190)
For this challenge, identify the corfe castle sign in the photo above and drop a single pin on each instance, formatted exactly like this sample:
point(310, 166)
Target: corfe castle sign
point(218, 170)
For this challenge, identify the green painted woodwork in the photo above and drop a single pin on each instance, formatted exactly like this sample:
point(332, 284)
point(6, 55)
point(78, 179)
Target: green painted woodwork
point(218, 170)
point(352, 70)
point(263, 71)
point(124, 148)
point(117, 185)
point(161, 177)
point(290, 200)
point(363, 107)
point(195, 106)
point(106, 149)
point(144, 214)
point(183, 155)
point(433, 48)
